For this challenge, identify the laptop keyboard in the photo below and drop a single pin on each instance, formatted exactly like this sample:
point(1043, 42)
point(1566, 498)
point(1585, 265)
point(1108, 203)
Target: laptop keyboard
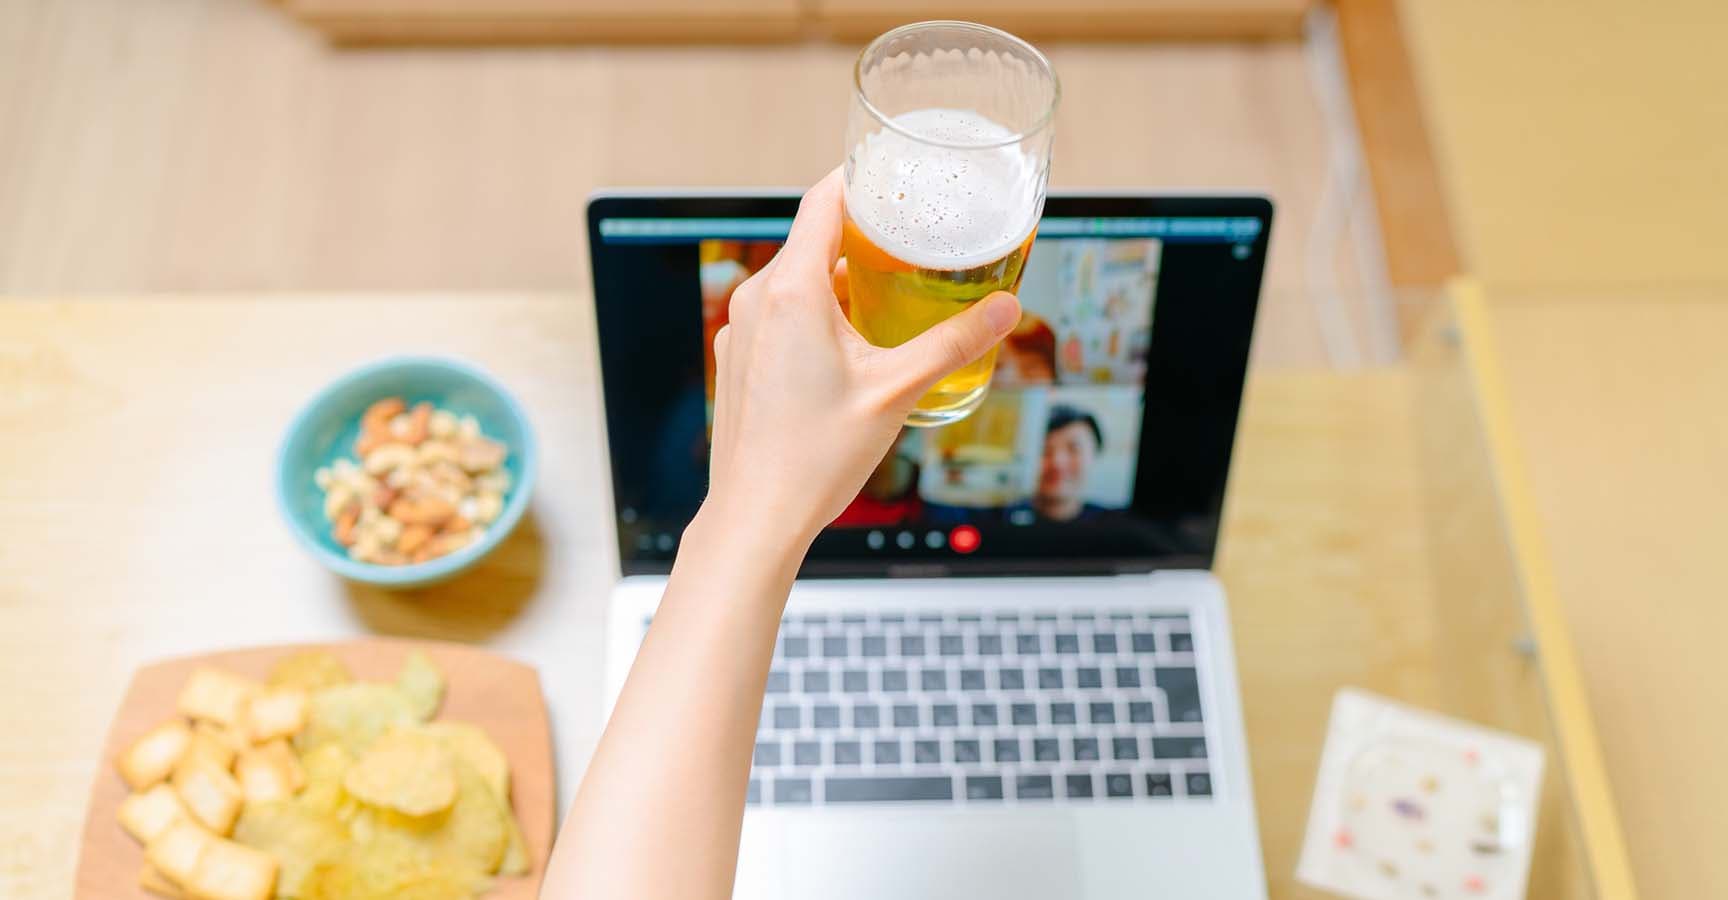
point(982, 709)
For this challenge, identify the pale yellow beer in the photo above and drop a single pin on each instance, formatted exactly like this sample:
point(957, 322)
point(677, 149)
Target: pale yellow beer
point(893, 301)
point(941, 206)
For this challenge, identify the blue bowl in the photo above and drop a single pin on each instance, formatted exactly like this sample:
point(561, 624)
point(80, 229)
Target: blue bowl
point(325, 429)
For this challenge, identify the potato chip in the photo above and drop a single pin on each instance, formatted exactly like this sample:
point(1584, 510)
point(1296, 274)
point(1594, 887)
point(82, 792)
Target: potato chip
point(421, 681)
point(175, 852)
point(471, 834)
point(146, 815)
point(472, 746)
point(275, 713)
point(152, 757)
point(301, 838)
point(215, 695)
point(309, 670)
point(354, 715)
point(515, 860)
point(388, 867)
point(406, 770)
point(324, 768)
point(230, 871)
point(151, 879)
point(210, 794)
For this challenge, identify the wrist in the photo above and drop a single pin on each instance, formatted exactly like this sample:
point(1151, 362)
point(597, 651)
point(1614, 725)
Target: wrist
point(752, 531)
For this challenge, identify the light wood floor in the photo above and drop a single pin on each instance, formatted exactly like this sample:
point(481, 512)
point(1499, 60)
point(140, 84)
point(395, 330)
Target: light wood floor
point(173, 145)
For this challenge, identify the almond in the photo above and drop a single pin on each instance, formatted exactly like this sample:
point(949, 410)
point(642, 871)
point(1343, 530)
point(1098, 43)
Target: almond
point(419, 424)
point(345, 520)
point(480, 454)
point(413, 537)
point(421, 510)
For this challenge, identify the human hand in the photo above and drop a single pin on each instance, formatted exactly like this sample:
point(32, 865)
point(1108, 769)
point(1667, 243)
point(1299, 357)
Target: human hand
point(805, 407)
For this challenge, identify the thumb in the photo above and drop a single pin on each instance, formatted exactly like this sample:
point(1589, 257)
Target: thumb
point(957, 340)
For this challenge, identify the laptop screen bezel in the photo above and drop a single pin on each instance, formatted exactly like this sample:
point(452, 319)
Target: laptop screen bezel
point(1225, 349)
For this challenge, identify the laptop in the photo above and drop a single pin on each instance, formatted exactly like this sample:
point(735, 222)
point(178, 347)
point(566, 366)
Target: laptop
point(1006, 669)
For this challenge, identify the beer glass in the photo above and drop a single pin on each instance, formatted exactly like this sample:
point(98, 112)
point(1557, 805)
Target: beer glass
point(948, 151)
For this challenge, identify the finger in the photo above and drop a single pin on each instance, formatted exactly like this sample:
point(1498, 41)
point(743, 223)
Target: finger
point(842, 287)
point(813, 244)
point(957, 340)
point(722, 340)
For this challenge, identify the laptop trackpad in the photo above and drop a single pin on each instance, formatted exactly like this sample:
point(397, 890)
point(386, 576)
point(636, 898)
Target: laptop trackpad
point(932, 855)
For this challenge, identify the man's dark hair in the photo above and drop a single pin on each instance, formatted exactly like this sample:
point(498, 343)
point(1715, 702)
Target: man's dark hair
point(1062, 415)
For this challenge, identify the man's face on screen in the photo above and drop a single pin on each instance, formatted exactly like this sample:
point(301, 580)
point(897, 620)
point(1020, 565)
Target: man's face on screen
point(1068, 455)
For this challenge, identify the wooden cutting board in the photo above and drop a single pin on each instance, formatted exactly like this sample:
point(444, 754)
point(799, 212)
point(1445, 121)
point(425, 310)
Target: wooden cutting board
point(499, 695)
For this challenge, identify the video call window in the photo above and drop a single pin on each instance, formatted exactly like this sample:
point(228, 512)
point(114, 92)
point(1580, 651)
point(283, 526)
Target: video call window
point(1057, 437)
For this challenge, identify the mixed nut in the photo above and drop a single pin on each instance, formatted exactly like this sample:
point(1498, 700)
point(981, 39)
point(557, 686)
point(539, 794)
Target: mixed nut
point(426, 483)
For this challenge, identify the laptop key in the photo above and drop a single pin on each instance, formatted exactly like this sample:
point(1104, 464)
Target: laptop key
point(989, 645)
point(1011, 679)
point(1178, 748)
point(1087, 677)
point(788, 717)
point(984, 714)
point(1143, 642)
point(933, 679)
point(792, 791)
point(951, 645)
point(779, 682)
point(1104, 644)
point(983, 787)
point(1006, 750)
point(967, 751)
point(1124, 748)
point(825, 715)
point(848, 753)
point(1118, 785)
point(1067, 644)
point(1140, 712)
point(1060, 714)
point(1101, 713)
point(855, 681)
point(886, 789)
point(1079, 786)
point(1046, 750)
point(1023, 714)
point(885, 753)
point(929, 618)
point(893, 681)
point(866, 716)
point(1158, 785)
point(873, 645)
point(1181, 689)
point(1127, 677)
point(1086, 749)
point(815, 682)
point(794, 647)
point(912, 645)
point(905, 715)
point(834, 647)
point(1027, 644)
point(1049, 679)
point(1034, 787)
point(972, 679)
point(945, 715)
point(926, 751)
point(767, 754)
point(1181, 642)
point(1199, 784)
point(806, 753)
point(753, 793)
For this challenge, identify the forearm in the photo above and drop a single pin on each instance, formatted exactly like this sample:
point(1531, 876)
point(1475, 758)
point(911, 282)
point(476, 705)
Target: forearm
point(660, 808)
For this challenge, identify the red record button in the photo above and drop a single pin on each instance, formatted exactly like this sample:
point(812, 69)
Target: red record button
point(964, 539)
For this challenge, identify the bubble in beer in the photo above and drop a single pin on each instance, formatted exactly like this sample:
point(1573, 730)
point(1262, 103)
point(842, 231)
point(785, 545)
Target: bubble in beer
point(943, 207)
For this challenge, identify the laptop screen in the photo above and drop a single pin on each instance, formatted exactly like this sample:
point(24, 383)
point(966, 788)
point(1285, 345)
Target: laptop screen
point(1102, 443)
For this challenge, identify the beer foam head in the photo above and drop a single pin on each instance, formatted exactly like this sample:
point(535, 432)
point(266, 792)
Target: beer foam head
point(943, 207)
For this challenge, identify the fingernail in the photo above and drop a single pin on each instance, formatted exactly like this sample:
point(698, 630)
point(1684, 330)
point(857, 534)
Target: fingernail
point(1002, 312)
